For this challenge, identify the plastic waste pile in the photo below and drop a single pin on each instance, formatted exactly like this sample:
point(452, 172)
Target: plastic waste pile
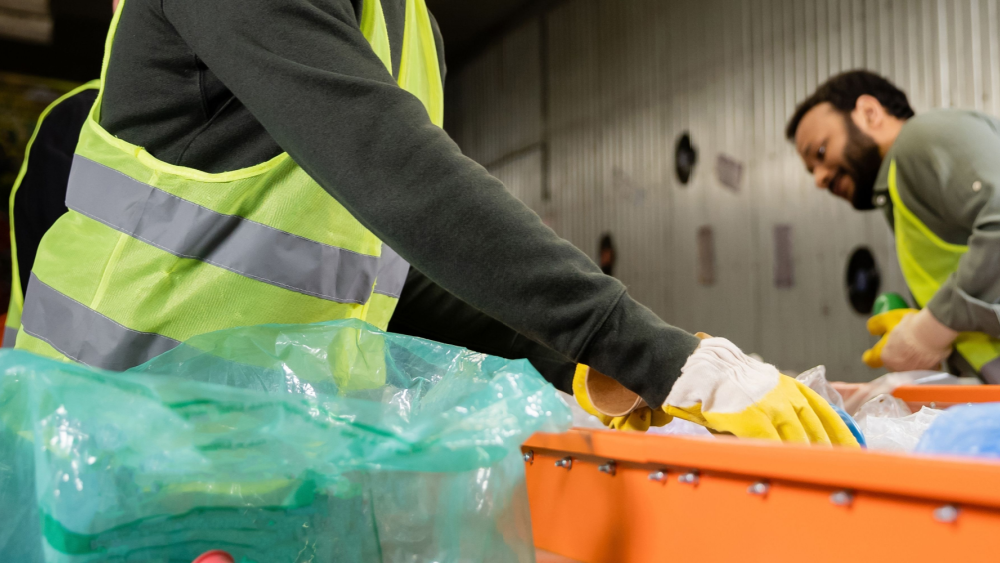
point(325, 442)
point(888, 423)
point(972, 430)
point(888, 383)
point(879, 420)
point(885, 422)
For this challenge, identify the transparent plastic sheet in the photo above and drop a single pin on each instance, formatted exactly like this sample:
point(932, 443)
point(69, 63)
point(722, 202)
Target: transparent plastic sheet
point(325, 442)
point(888, 383)
point(680, 427)
point(581, 418)
point(815, 379)
point(889, 425)
point(884, 406)
point(972, 430)
point(899, 434)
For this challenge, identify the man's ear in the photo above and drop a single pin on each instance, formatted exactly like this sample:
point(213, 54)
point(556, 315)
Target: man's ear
point(868, 113)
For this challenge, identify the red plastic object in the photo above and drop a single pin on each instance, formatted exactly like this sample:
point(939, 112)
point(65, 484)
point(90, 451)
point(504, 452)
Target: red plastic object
point(215, 556)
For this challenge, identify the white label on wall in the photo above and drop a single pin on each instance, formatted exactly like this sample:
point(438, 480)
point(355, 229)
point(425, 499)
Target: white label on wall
point(784, 264)
point(706, 256)
point(729, 171)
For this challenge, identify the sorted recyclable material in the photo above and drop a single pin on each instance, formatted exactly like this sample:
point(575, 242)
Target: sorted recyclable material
point(581, 418)
point(815, 379)
point(889, 425)
point(972, 430)
point(680, 427)
point(324, 442)
point(883, 422)
point(890, 381)
point(882, 406)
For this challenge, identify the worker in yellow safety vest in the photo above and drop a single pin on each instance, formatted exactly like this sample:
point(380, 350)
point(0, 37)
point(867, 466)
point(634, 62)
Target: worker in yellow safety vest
point(936, 177)
point(283, 161)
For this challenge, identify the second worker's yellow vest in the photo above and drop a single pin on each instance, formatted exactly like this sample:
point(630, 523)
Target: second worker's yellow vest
point(927, 261)
point(151, 254)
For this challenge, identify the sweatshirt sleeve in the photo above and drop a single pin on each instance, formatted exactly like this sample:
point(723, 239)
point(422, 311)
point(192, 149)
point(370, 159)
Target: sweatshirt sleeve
point(952, 180)
point(306, 72)
point(427, 310)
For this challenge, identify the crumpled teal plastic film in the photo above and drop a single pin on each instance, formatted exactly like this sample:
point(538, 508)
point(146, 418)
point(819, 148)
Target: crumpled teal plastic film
point(277, 443)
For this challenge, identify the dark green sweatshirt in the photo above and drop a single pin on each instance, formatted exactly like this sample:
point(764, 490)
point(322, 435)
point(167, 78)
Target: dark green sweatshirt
point(223, 84)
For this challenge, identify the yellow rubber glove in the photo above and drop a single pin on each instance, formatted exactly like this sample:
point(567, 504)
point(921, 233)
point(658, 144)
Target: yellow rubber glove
point(881, 325)
point(724, 390)
point(623, 409)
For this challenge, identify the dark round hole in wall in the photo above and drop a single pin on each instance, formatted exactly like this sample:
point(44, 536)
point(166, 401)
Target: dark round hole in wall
point(685, 157)
point(606, 254)
point(863, 280)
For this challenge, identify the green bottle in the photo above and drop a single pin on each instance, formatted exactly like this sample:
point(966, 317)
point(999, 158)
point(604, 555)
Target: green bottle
point(889, 302)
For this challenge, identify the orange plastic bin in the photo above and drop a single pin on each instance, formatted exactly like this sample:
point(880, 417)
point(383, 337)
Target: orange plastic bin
point(611, 497)
point(944, 396)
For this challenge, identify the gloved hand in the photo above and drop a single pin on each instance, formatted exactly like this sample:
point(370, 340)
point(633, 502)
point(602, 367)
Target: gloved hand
point(619, 408)
point(882, 325)
point(919, 341)
point(725, 390)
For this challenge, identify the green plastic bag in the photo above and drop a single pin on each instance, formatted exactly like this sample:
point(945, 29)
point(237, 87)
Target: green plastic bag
point(277, 443)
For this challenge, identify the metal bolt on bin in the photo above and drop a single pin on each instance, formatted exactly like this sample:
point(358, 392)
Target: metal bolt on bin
point(529, 456)
point(566, 462)
point(946, 514)
point(610, 468)
point(760, 488)
point(658, 476)
point(691, 477)
point(842, 498)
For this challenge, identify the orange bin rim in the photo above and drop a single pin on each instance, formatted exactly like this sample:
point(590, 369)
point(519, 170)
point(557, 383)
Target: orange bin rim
point(950, 479)
point(948, 394)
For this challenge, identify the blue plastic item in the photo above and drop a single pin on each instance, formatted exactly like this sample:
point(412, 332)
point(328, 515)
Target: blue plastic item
point(851, 425)
point(277, 444)
point(972, 430)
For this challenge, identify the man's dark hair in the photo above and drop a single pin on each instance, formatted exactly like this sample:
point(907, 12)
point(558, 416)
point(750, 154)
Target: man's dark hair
point(843, 91)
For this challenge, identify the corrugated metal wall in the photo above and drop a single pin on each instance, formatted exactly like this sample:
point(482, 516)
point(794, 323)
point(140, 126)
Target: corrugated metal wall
point(578, 112)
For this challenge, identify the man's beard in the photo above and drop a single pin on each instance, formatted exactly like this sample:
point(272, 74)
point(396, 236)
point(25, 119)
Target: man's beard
point(863, 163)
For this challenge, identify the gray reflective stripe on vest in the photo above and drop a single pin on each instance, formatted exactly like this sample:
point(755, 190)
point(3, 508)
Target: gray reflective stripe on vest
point(9, 336)
point(392, 270)
point(236, 244)
point(82, 334)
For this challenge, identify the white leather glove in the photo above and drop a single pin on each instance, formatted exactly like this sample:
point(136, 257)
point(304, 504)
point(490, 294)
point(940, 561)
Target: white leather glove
point(725, 390)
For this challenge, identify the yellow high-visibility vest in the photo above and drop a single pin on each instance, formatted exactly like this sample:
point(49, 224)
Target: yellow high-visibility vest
point(151, 254)
point(927, 261)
